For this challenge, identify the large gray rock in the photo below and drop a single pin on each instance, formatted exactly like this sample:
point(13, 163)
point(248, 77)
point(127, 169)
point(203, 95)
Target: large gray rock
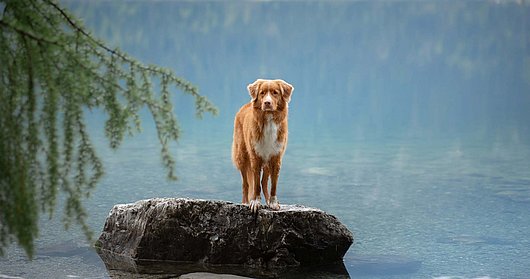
point(218, 232)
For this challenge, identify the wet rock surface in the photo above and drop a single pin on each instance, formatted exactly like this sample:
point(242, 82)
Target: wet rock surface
point(221, 233)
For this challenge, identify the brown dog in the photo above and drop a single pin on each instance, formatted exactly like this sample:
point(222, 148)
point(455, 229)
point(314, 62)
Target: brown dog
point(260, 139)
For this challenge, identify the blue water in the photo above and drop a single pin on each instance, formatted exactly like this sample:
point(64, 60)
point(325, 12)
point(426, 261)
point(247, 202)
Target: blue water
point(409, 122)
point(417, 209)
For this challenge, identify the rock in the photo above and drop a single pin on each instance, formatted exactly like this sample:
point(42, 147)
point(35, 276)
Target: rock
point(222, 233)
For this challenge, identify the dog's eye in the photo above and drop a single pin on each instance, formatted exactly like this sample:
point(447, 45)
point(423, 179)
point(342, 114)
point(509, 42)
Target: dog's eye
point(275, 93)
point(262, 93)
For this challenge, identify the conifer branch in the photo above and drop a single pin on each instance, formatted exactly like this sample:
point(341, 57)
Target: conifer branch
point(115, 52)
point(51, 69)
point(27, 33)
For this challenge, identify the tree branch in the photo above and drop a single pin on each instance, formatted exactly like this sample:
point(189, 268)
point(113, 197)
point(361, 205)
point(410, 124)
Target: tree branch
point(82, 31)
point(100, 44)
point(26, 33)
point(184, 85)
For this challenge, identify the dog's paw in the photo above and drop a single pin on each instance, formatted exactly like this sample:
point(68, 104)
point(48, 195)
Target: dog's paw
point(255, 205)
point(274, 204)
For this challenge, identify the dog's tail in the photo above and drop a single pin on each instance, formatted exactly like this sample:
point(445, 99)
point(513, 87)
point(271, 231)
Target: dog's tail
point(238, 148)
point(235, 155)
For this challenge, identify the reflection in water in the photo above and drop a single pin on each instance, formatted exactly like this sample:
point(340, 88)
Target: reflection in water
point(474, 240)
point(381, 265)
point(120, 267)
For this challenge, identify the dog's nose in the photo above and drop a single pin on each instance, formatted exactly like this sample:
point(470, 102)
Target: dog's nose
point(267, 103)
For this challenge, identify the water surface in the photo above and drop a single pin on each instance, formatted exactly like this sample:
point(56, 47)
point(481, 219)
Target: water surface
point(409, 122)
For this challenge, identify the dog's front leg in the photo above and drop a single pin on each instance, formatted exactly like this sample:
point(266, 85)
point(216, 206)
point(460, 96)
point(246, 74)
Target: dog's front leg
point(275, 173)
point(255, 201)
point(265, 183)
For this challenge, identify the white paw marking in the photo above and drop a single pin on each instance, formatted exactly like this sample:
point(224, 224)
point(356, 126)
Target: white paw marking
point(255, 205)
point(274, 204)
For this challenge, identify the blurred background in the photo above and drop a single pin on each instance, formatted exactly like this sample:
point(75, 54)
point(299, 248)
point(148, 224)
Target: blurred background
point(361, 69)
point(409, 121)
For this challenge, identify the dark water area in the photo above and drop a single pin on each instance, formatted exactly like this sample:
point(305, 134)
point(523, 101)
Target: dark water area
point(409, 121)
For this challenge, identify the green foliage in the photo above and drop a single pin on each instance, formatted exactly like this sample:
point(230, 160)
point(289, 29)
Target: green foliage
point(51, 70)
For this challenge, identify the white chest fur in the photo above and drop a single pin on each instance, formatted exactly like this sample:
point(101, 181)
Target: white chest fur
point(268, 145)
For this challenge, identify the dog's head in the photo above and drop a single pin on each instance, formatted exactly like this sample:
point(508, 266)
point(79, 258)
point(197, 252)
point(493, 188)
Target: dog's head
point(270, 95)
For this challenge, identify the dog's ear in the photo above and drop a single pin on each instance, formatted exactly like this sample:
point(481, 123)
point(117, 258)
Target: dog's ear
point(287, 90)
point(253, 89)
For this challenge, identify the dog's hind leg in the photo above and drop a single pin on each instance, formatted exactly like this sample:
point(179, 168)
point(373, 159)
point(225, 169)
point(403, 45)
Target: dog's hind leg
point(244, 187)
point(244, 179)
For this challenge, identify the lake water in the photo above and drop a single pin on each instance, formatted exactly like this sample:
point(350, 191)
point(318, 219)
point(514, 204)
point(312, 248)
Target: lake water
point(416, 209)
point(409, 122)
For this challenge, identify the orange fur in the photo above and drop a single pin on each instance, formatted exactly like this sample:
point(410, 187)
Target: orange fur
point(260, 139)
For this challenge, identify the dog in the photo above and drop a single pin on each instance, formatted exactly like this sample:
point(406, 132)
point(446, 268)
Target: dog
point(260, 139)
